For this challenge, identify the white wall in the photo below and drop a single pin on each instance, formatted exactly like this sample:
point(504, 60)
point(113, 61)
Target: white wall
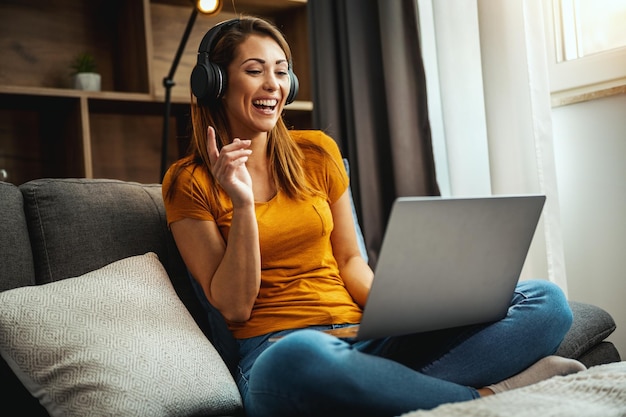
point(590, 149)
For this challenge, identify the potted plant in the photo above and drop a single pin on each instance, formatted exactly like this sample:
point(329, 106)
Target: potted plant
point(84, 72)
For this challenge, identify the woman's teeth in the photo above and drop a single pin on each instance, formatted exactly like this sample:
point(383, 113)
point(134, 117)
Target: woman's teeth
point(265, 103)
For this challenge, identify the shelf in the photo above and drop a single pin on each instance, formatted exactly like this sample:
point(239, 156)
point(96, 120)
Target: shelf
point(41, 39)
point(71, 93)
point(48, 129)
point(36, 142)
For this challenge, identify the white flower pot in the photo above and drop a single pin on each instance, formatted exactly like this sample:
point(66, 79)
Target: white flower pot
point(88, 81)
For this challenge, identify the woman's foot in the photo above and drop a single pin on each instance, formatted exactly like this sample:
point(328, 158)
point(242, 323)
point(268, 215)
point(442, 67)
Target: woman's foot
point(543, 369)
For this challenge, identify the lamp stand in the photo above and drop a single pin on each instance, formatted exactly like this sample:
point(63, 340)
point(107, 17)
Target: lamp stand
point(168, 83)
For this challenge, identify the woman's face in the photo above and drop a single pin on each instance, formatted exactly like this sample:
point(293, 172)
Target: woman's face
point(258, 85)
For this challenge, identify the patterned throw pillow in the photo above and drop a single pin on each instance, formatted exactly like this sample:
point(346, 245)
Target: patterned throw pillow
point(116, 341)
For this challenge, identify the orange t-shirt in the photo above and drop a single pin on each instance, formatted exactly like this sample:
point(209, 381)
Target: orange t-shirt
point(300, 282)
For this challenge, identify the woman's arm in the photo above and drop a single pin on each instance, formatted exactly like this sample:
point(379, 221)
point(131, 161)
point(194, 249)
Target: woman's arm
point(230, 274)
point(355, 272)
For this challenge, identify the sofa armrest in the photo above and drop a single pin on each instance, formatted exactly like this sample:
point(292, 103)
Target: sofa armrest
point(591, 326)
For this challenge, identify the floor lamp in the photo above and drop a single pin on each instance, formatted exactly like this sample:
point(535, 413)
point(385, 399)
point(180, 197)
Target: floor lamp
point(209, 8)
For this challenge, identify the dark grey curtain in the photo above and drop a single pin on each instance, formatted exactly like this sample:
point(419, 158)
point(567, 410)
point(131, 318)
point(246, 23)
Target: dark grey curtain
point(369, 93)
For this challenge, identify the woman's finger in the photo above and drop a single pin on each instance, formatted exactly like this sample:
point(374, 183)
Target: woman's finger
point(211, 145)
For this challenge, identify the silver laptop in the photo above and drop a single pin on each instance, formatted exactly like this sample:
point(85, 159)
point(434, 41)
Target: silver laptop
point(447, 262)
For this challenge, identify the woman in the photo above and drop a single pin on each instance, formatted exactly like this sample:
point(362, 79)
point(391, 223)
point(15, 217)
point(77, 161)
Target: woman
point(262, 218)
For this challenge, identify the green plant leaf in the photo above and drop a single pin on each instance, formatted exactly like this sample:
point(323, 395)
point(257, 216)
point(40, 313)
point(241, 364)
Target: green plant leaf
point(84, 62)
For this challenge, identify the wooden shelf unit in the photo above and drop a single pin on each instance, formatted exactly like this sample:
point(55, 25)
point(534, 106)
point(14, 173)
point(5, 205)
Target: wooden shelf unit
point(48, 129)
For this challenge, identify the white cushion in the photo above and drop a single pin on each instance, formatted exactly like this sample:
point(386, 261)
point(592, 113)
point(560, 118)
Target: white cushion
point(115, 341)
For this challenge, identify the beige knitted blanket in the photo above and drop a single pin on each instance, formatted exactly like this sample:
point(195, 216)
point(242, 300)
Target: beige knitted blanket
point(600, 391)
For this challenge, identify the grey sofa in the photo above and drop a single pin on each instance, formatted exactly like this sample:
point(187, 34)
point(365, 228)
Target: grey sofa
point(55, 229)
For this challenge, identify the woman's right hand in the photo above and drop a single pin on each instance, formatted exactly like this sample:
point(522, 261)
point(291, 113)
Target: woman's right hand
point(229, 271)
point(228, 166)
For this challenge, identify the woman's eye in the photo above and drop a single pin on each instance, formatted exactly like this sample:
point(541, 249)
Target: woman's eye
point(253, 71)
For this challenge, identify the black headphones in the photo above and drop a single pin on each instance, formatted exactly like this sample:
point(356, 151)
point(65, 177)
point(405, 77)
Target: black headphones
point(208, 80)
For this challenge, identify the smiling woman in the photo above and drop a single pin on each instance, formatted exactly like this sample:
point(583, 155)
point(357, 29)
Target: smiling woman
point(263, 219)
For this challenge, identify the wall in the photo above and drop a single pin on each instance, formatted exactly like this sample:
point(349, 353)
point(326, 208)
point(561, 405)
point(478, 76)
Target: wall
point(590, 149)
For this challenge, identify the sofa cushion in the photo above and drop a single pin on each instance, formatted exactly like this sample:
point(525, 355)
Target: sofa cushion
point(591, 326)
point(115, 341)
point(78, 225)
point(17, 262)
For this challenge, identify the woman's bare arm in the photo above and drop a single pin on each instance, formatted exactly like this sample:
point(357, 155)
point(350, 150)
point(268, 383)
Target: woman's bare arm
point(230, 274)
point(355, 272)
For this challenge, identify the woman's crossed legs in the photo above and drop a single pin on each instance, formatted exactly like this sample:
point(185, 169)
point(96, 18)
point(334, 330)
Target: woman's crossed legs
point(311, 373)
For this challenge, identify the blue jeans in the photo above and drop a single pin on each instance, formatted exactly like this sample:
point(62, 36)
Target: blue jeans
point(309, 373)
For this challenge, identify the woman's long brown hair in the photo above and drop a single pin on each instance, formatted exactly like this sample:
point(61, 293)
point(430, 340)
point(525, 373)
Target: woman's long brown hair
point(284, 154)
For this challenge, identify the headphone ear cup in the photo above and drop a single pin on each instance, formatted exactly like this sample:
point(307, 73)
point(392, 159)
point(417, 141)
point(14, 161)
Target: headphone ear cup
point(219, 81)
point(293, 88)
point(200, 82)
point(208, 81)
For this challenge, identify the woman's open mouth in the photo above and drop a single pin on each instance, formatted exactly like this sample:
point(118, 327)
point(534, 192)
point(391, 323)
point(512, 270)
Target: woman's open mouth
point(265, 105)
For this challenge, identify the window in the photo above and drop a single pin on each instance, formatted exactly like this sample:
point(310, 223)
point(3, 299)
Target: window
point(586, 48)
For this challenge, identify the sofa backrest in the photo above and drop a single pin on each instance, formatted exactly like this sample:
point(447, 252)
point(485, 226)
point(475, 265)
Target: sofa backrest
point(80, 225)
point(17, 269)
point(16, 262)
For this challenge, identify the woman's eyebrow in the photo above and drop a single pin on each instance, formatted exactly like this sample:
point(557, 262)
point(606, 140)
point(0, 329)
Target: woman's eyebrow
point(262, 61)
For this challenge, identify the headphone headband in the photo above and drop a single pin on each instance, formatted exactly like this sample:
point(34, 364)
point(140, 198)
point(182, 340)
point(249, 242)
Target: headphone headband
point(208, 41)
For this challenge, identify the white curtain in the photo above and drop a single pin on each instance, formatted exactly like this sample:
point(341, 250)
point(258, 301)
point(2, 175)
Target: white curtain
point(495, 111)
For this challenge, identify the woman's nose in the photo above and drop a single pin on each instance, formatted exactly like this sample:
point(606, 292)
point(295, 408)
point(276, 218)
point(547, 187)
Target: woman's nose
point(271, 83)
